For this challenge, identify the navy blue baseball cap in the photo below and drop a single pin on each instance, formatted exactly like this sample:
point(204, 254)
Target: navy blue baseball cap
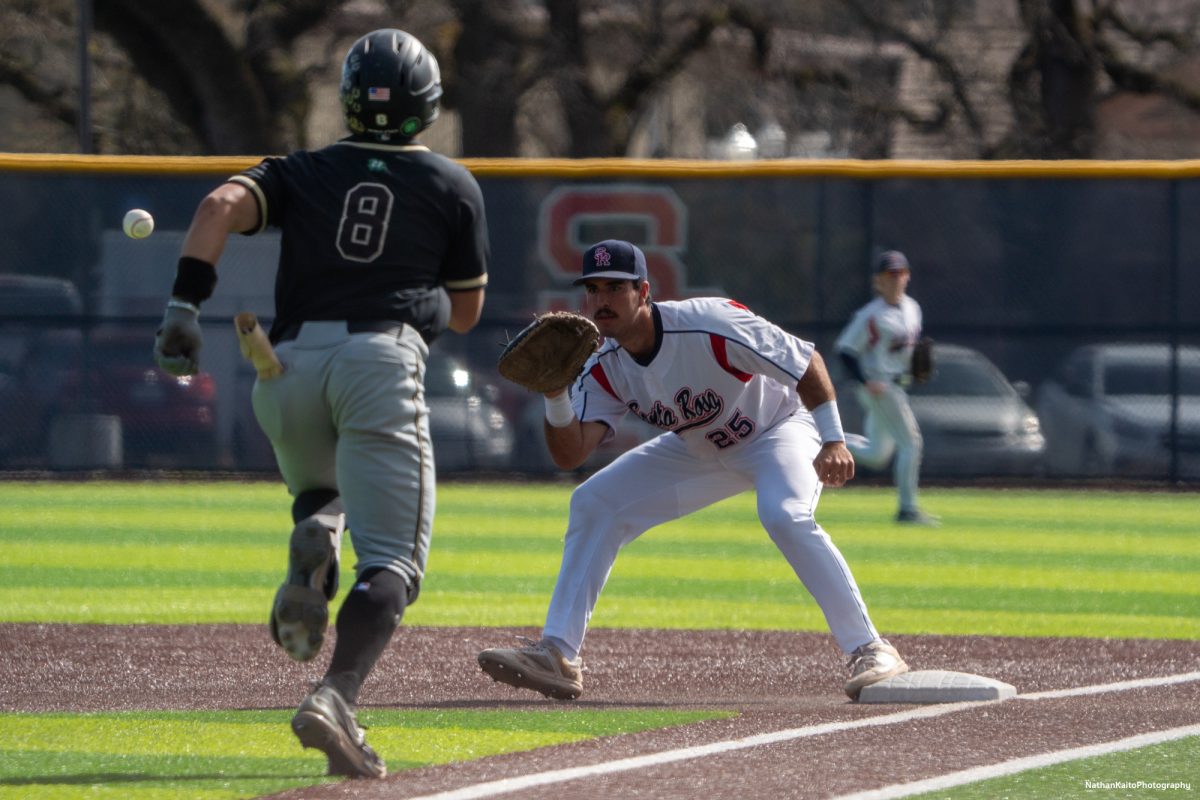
point(615, 260)
point(891, 261)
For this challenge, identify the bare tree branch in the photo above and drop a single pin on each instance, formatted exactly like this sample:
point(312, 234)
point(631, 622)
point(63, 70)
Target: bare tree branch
point(202, 74)
point(50, 100)
point(1108, 13)
point(1132, 78)
point(942, 62)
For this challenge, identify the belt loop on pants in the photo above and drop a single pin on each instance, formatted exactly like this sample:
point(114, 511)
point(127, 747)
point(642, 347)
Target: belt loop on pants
point(389, 326)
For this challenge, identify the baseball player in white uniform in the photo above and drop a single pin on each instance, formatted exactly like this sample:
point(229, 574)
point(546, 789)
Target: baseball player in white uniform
point(876, 348)
point(743, 405)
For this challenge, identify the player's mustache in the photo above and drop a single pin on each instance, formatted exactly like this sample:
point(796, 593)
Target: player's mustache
point(605, 313)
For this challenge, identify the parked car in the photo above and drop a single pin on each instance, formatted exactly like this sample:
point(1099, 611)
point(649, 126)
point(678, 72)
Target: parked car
point(1107, 411)
point(166, 421)
point(469, 431)
point(36, 313)
point(973, 420)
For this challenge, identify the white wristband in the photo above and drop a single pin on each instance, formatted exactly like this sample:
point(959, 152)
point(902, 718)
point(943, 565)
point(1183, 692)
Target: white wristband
point(559, 412)
point(173, 303)
point(829, 422)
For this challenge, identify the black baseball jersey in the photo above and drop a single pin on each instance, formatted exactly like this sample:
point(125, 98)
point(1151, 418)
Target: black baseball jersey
point(370, 232)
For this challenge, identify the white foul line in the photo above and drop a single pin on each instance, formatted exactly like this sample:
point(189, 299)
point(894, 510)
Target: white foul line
point(1140, 683)
point(507, 785)
point(952, 779)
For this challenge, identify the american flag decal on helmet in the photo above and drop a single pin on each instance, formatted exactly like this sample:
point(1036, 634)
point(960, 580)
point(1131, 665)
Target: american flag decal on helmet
point(380, 93)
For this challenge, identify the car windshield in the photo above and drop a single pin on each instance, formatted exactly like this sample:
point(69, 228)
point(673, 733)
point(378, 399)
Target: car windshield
point(1127, 379)
point(964, 379)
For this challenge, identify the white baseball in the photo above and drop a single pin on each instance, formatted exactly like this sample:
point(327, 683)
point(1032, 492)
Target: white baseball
point(138, 224)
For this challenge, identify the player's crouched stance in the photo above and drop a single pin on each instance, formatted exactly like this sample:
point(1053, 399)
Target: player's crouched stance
point(744, 405)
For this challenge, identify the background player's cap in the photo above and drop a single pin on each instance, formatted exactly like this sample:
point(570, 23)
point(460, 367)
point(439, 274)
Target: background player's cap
point(615, 260)
point(891, 261)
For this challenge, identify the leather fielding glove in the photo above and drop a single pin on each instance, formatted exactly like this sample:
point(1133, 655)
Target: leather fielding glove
point(548, 353)
point(178, 340)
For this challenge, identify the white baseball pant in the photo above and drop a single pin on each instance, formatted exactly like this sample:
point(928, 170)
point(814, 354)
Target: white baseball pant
point(890, 427)
point(661, 480)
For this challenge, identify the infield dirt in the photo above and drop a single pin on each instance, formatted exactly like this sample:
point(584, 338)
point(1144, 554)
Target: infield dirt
point(774, 680)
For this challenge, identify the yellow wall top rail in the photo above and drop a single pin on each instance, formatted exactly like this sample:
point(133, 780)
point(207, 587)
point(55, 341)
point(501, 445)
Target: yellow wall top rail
point(646, 168)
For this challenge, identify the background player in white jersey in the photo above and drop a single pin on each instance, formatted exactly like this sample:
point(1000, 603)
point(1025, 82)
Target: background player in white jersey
point(383, 247)
point(744, 405)
point(877, 348)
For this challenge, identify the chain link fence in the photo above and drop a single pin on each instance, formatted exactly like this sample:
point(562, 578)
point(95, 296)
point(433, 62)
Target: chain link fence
point(1065, 300)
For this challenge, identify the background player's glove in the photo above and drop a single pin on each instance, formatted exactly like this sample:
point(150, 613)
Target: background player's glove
point(549, 352)
point(922, 360)
point(178, 341)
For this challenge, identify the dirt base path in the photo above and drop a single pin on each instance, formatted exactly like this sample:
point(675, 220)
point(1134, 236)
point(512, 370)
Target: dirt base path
point(776, 680)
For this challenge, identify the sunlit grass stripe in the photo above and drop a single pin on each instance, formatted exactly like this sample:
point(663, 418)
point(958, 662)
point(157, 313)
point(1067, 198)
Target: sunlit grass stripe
point(1169, 554)
point(508, 610)
point(171, 566)
point(1168, 763)
point(178, 590)
point(768, 561)
point(207, 755)
point(635, 574)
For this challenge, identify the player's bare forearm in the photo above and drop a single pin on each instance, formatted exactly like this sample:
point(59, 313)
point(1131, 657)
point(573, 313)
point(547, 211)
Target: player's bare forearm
point(465, 309)
point(230, 208)
point(571, 444)
point(834, 463)
point(565, 444)
point(815, 386)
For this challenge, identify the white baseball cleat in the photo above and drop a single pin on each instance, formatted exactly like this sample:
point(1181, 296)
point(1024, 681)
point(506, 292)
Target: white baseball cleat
point(538, 666)
point(872, 663)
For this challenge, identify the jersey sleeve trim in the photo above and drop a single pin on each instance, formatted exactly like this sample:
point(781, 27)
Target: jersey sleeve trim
point(722, 356)
point(749, 348)
point(598, 374)
point(394, 148)
point(259, 197)
point(478, 282)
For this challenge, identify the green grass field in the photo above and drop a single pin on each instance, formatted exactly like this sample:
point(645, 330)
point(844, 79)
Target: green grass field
point(1011, 563)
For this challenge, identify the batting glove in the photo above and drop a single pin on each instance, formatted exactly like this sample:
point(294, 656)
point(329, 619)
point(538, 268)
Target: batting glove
point(178, 340)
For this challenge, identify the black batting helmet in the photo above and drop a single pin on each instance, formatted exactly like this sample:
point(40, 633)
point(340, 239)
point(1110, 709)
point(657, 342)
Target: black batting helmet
point(390, 86)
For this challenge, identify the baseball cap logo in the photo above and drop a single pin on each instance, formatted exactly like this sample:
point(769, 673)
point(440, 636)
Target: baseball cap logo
point(615, 260)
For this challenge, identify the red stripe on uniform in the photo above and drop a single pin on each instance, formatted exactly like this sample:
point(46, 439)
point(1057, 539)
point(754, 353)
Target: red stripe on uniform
point(718, 346)
point(597, 372)
point(736, 304)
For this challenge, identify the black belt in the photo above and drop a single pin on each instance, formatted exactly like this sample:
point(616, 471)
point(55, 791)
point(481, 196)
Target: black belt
point(391, 326)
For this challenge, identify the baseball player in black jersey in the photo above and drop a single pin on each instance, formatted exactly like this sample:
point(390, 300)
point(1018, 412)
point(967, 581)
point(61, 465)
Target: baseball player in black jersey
point(384, 246)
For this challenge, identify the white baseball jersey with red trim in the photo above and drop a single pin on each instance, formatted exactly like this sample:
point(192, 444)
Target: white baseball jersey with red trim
point(720, 375)
point(882, 336)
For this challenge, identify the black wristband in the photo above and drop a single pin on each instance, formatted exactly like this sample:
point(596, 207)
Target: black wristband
point(195, 280)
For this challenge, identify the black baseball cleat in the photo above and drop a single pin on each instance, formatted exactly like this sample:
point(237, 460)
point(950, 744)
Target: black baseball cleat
point(917, 517)
point(326, 722)
point(300, 613)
